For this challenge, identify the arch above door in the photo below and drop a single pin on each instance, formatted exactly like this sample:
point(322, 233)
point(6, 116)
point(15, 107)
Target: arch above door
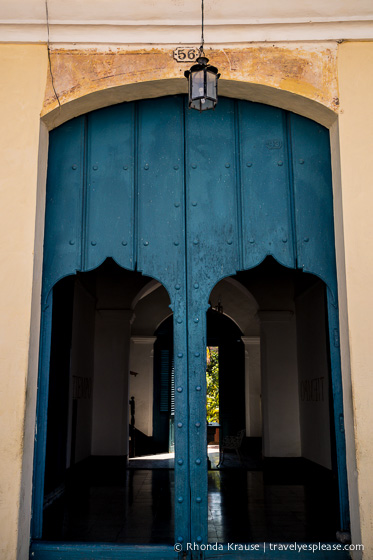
point(287, 76)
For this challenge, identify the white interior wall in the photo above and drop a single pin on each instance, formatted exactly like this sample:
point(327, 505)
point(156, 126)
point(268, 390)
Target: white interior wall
point(141, 385)
point(110, 391)
point(239, 305)
point(282, 410)
point(150, 311)
point(81, 371)
point(313, 376)
point(280, 383)
point(280, 402)
point(253, 386)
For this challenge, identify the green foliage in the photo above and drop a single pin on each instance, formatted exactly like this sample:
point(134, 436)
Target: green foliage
point(212, 379)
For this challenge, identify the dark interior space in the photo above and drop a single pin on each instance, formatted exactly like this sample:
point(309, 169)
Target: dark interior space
point(279, 501)
point(252, 498)
point(283, 500)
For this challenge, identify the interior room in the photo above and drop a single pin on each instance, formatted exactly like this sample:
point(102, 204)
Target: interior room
point(109, 473)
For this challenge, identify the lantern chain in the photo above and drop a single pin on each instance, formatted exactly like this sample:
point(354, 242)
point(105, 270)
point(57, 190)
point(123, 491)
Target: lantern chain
point(202, 30)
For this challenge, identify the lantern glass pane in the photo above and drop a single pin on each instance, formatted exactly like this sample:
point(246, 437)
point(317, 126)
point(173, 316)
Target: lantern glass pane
point(211, 85)
point(208, 104)
point(196, 104)
point(198, 86)
point(202, 104)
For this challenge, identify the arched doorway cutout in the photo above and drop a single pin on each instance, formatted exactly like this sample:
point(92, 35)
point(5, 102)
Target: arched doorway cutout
point(295, 467)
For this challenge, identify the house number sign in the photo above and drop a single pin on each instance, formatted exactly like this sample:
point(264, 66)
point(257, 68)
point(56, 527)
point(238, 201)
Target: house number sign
point(186, 54)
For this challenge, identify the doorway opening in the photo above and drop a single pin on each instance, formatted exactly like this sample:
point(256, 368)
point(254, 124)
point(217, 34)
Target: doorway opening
point(100, 408)
point(279, 482)
point(212, 401)
point(224, 354)
point(212, 384)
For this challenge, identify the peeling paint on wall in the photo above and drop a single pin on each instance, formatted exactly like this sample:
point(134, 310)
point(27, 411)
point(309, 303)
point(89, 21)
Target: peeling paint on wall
point(308, 70)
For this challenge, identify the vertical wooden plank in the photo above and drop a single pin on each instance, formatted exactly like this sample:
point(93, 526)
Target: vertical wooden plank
point(110, 186)
point(265, 176)
point(336, 374)
point(41, 419)
point(197, 420)
point(213, 252)
point(101, 551)
point(64, 204)
point(160, 227)
point(211, 194)
point(161, 254)
point(313, 199)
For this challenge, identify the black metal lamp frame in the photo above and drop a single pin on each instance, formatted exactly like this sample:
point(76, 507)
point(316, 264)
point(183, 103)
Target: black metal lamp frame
point(204, 67)
point(203, 101)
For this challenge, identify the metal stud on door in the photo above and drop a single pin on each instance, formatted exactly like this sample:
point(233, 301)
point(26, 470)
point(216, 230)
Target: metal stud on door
point(212, 253)
point(161, 254)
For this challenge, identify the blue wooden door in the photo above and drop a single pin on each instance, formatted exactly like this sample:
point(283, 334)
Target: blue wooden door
point(187, 199)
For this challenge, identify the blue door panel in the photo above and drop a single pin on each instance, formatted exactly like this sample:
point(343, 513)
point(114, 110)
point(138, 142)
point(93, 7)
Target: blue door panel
point(266, 187)
point(110, 186)
point(61, 551)
point(161, 254)
point(336, 378)
point(313, 200)
point(188, 199)
point(63, 215)
point(41, 417)
point(211, 196)
point(213, 251)
point(197, 420)
point(160, 227)
point(83, 551)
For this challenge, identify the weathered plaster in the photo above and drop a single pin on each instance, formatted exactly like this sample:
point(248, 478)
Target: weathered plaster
point(284, 75)
point(173, 22)
point(355, 62)
point(23, 75)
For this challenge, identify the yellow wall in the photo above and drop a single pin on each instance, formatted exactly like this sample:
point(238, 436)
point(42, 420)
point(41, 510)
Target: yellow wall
point(22, 92)
point(22, 85)
point(355, 71)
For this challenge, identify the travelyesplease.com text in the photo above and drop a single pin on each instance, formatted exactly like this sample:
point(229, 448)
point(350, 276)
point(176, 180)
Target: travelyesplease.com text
point(266, 546)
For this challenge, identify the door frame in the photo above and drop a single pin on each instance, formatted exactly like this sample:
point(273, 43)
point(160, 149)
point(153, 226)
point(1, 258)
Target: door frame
point(196, 321)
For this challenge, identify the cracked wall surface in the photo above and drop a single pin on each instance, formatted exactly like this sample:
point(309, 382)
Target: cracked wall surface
point(308, 71)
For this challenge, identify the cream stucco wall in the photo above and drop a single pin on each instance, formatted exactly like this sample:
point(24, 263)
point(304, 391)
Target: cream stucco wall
point(355, 65)
point(23, 78)
point(178, 21)
point(22, 85)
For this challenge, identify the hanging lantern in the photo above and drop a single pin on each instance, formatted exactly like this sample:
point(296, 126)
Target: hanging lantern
point(202, 79)
point(203, 85)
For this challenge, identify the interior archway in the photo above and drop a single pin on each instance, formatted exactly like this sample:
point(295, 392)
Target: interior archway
point(90, 493)
point(280, 482)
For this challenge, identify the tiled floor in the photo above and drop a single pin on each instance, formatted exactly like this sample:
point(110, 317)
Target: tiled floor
point(243, 508)
point(136, 506)
point(138, 510)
